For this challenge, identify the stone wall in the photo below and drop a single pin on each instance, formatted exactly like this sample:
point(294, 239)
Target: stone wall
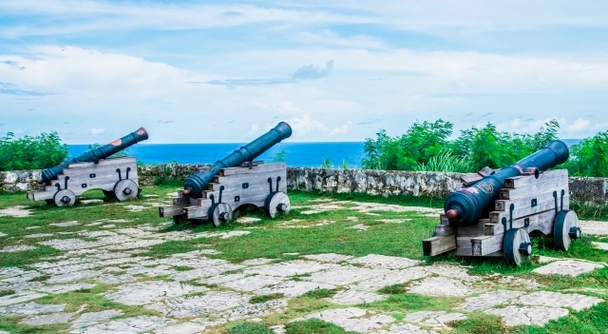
point(375, 182)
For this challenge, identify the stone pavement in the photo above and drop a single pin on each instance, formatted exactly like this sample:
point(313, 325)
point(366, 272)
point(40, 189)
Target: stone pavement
point(214, 292)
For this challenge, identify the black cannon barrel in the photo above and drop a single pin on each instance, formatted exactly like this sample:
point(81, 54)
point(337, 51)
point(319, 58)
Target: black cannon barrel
point(466, 205)
point(95, 155)
point(196, 183)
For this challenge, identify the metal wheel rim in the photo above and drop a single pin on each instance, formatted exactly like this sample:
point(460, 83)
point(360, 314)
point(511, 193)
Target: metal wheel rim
point(511, 246)
point(564, 221)
point(277, 203)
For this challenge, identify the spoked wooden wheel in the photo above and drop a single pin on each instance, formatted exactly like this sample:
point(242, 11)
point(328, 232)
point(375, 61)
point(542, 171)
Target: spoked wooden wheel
point(516, 246)
point(277, 203)
point(220, 214)
point(64, 197)
point(565, 229)
point(125, 190)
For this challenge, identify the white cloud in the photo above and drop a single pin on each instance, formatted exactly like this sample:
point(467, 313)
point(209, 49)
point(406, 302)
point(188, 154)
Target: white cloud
point(579, 125)
point(306, 124)
point(97, 131)
point(254, 131)
point(342, 130)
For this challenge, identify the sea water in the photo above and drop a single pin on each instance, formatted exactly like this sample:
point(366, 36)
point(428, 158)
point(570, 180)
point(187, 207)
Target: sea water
point(339, 154)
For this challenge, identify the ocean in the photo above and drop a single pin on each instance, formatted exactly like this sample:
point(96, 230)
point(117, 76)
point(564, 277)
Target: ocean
point(341, 154)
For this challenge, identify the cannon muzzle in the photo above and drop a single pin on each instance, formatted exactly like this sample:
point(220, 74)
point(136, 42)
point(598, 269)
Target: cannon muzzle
point(466, 205)
point(196, 183)
point(97, 154)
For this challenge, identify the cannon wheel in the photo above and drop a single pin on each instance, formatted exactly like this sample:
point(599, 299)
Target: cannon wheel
point(565, 229)
point(516, 246)
point(125, 190)
point(64, 197)
point(220, 213)
point(277, 202)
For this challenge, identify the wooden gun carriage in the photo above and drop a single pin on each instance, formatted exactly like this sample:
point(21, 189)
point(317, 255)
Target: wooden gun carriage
point(252, 185)
point(117, 177)
point(94, 169)
point(234, 183)
point(526, 203)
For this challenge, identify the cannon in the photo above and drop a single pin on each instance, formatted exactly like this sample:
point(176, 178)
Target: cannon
point(466, 205)
point(94, 169)
point(495, 214)
point(96, 154)
point(233, 183)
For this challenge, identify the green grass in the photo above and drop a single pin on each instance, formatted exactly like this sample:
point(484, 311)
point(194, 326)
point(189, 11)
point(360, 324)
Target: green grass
point(326, 232)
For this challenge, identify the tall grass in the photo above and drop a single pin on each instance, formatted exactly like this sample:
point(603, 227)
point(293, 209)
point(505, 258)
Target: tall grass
point(447, 161)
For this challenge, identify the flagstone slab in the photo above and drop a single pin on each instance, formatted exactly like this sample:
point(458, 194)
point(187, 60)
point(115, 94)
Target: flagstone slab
point(127, 326)
point(290, 268)
point(393, 277)
point(66, 224)
point(209, 303)
point(39, 235)
point(255, 282)
point(115, 279)
point(572, 268)
point(600, 245)
point(31, 308)
point(434, 319)
point(404, 329)
point(594, 227)
point(258, 310)
point(63, 288)
point(385, 262)
point(488, 300)
point(574, 301)
point(147, 292)
point(328, 257)
point(293, 288)
point(182, 328)
point(20, 297)
point(47, 319)
point(14, 249)
point(529, 315)
point(440, 287)
point(352, 319)
point(354, 297)
point(70, 244)
point(343, 275)
point(93, 318)
point(73, 276)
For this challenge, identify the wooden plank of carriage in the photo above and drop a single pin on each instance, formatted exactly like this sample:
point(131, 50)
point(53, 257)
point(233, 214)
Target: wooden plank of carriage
point(542, 222)
point(230, 171)
point(524, 209)
point(438, 245)
point(534, 188)
point(526, 180)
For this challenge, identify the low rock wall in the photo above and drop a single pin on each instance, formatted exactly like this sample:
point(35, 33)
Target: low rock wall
point(375, 182)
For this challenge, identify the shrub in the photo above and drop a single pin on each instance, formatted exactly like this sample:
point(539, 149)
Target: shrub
point(43, 151)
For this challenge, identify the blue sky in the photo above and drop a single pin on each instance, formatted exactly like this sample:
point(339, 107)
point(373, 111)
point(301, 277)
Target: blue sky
point(225, 71)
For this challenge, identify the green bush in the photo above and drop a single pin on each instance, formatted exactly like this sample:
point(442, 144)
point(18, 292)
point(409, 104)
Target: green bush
point(589, 157)
point(43, 151)
point(425, 146)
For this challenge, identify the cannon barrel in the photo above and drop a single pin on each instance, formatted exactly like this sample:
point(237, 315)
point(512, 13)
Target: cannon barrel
point(196, 183)
point(466, 205)
point(96, 154)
